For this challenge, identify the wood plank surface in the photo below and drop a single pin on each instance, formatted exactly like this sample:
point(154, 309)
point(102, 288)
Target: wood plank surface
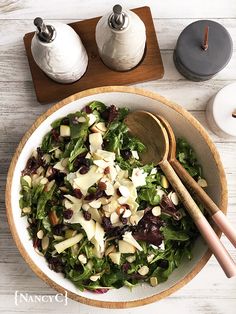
point(208, 293)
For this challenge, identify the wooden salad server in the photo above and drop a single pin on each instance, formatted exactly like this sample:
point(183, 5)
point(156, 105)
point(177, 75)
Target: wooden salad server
point(216, 214)
point(152, 133)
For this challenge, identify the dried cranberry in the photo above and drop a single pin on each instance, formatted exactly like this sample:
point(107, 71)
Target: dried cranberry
point(36, 243)
point(100, 290)
point(87, 109)
point(107, 170)
point(87, 215)
point(55, 135)
point(67, 214)
point(163, 263)
point(31, 166)
point(84, 170)
point(125, 267)
point(58, 229)
point(65, 121)
point(90, 197)
point(99, 193)
point(40, 157)
point(123, 220)
point(110, 114)
point(118, 192)
point(77, 193)
point(126, 153)
point(106, 223)
point(56, 264)
point(102, 185)
point(169, 208)
point(57, 176)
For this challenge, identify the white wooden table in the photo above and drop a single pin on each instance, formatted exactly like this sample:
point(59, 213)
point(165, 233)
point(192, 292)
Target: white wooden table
point(209, 292)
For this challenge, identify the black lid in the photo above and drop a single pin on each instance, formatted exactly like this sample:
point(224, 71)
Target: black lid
point(194, 58)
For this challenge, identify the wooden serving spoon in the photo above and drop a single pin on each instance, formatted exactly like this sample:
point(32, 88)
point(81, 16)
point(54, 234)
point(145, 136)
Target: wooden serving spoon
point(216, 214)
point(152, 133)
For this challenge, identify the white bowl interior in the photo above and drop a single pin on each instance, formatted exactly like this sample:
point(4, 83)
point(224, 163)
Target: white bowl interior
point(182, 128)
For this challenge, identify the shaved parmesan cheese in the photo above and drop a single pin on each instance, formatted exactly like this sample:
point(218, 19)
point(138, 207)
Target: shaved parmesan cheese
point(130, 239)
point(62, 246)
point(95, 214)
point(125, 247)
point(74, 200)
point(59, 166)
point(84, 181)
point(105, 155)
point(115, 257)
point(138, 177)
point(95, 140)
point(88, 225)
point(98, 239)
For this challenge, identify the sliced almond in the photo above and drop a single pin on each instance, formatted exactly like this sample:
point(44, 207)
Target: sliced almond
point(40, 234)
point(109, 189)
point(131, 258)
point(127, 213)
point(164, 182)
point(95, 204)
point(156, 211)
point(153, 281)
point(124, 191)
point(110, 249)
point(81, 119)
point(82, 258)
point(135, 154)
point(95, 277)
point(143, 270)
point(202, 183)
point(40, 171)
point(28, 180)
point(120, 210)
point(85, 207)
point(150, 257)
point(114, 218)
point(174, 198)
point(44, 181)
point(122, 200)
point(45, 243)
point(104, 200)
point(26, 210)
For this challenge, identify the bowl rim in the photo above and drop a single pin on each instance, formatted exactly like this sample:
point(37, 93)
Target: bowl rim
point(9, 210)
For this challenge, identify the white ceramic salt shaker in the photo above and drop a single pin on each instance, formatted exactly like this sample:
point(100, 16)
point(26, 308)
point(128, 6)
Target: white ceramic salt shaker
point(58, 51)
point(221, 112)
point(121, 39)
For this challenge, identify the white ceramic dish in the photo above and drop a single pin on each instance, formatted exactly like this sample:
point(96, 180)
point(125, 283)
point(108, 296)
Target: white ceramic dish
point(183, 124)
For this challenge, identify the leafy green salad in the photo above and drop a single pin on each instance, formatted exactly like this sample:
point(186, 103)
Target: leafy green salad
point(95, 212)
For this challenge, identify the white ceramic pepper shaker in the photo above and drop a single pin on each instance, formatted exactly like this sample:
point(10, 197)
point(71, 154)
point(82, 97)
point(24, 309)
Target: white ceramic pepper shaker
point(58, 51)
point(221, 112)
point(121, 39)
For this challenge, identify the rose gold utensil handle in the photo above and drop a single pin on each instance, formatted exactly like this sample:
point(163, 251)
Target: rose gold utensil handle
point(201, 222)
point(217, 215)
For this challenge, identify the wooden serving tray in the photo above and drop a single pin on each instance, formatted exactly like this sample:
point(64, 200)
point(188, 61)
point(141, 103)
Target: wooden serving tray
point(97, 74)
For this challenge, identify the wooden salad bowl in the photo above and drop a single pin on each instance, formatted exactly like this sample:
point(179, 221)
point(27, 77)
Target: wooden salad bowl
point(184, 125)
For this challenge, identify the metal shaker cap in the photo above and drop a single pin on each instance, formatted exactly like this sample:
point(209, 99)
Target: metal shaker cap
point(118, 20)
point(46, 33)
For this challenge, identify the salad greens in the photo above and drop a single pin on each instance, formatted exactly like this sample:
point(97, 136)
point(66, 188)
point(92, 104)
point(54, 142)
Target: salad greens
point(95, 212)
